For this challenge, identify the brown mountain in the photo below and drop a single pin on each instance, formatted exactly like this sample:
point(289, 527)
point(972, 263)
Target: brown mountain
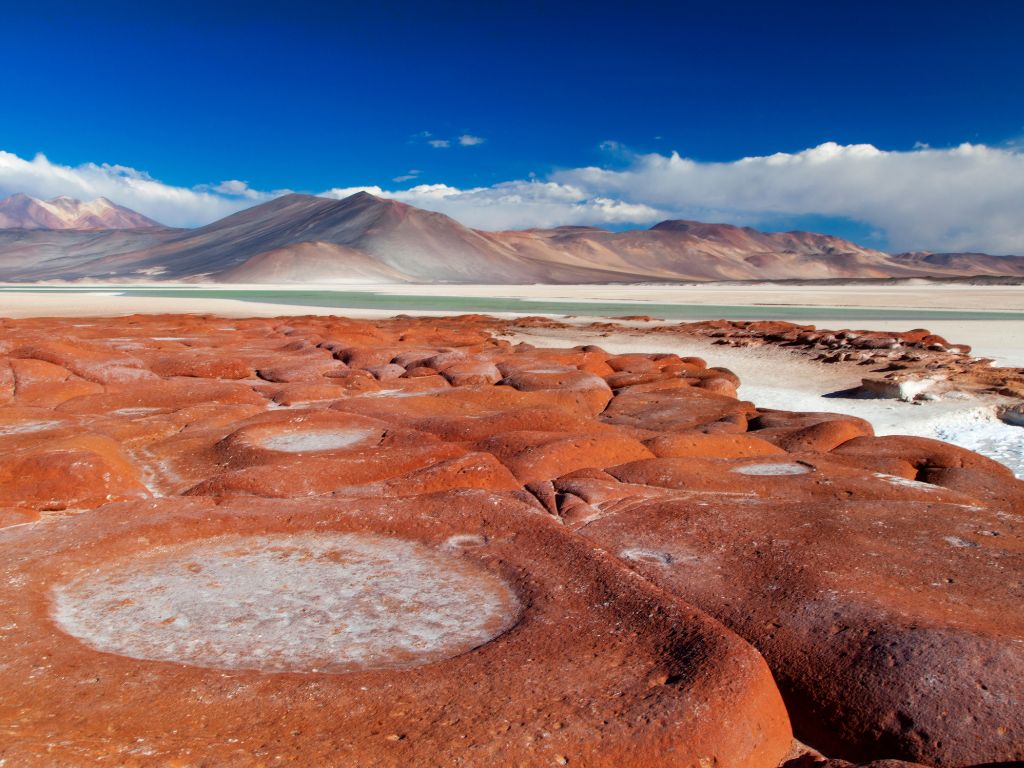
point(362, 238)
point(24, 212)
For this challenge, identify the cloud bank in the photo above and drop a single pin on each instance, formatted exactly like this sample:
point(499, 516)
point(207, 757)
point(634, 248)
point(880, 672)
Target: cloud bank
point(965, 198)
point(516, 204)
point(168, 204)
point(970, 197)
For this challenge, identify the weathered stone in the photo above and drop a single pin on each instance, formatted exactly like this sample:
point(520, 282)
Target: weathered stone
point(456, 628)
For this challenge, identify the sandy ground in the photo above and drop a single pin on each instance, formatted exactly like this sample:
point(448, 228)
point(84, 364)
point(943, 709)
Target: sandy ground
point(918, 295)
point(100, 303)
point(915, 294)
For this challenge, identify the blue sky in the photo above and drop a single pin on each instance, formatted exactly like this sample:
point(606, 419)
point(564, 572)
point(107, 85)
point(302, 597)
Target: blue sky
point(320, 96)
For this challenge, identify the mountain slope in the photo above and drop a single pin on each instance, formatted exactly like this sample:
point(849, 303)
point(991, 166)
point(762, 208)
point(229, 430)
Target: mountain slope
point(417, 245)
point(24, 212)
point(312, 262)
point(674, 250)
point(362, 238)
point(57, 254)
point(965, 263)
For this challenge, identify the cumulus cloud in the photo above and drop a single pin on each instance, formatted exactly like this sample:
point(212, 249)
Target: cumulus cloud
point(176, 206)
point(439, 143)
point(517, 204)
point(968, 197)
point(468, 140)
point(956, 199)
point(236, 188)
point(965, 198)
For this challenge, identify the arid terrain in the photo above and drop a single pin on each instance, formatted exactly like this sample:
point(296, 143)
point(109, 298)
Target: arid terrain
point(419, 541)
point(366, 239)
point(21, 211)
point(512, 385)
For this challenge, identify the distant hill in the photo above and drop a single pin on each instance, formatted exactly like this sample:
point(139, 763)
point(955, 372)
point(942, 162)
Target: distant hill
point(964, 263)
point(366, 239)
point(25, 212)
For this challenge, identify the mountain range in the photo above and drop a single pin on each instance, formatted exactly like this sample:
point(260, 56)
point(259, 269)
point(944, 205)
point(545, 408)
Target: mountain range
point(24, 212)
point(365, 239)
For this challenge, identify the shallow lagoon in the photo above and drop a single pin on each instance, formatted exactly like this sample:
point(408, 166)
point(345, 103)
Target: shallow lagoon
point(461, 304)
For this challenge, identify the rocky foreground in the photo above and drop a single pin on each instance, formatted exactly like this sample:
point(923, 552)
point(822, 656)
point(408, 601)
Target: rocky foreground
point(319, 541)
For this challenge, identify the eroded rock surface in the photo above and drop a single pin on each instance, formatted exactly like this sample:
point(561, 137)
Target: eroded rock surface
point(911, 365)
point(407, 542)
point(431, 630)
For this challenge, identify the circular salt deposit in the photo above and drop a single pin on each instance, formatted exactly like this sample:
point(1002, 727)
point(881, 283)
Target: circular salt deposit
point(315, 440)
point(325, 602)
point(769, 470)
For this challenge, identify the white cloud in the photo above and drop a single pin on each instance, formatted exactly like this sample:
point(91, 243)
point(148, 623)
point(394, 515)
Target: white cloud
point(412, 173)
point(963, 198)
point(465, 140)
point(236, 188)
point(517, 204)
point(176, 206)
point(340, 193)
point(968, 197)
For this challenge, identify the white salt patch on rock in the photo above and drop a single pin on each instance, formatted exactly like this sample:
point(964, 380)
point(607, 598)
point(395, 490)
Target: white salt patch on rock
point(325, 602)
point(900, 389)
point(770, 470)
point(903, 482)
point(316, 440)
point(464, 541)
point(28, 426)
point(983, 432)
point(646, 556)
point(956, 541)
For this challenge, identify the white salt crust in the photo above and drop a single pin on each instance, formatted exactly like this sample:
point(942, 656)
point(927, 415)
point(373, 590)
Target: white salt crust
point(28, 426)
point(646, 556)
point(325, 602)
point(315, 440)
point(770, 470)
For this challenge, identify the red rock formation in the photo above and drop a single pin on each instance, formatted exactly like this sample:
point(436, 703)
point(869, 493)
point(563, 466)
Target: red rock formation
point(586, 501)
point(544, 650)
point(885, 622)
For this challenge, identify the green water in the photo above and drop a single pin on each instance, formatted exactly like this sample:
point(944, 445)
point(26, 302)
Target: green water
point(463, 304)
